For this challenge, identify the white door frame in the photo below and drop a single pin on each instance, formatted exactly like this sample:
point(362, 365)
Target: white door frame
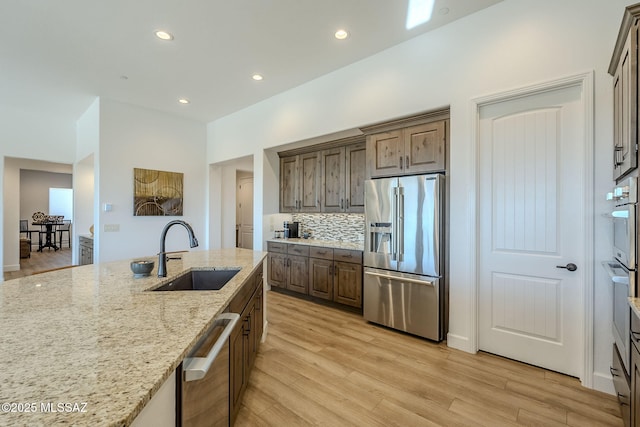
point(585, 299)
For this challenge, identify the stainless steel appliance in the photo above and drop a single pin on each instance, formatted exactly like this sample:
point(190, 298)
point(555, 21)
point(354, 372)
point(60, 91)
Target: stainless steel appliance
point(622, 273)
point(204, 392)
point(403, 256)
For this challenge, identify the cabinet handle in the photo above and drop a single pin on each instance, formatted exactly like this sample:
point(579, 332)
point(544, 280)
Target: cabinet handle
point(341, 203)
point(401, 162)
point(613, 374)
point(246, 327)
point(196, 368)
point(335, 270)
point(617, 152)
point(406, 163)
point(347, 203)
point(331, 270)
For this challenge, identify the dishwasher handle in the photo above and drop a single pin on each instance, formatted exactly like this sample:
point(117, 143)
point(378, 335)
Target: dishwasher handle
point(196, 368)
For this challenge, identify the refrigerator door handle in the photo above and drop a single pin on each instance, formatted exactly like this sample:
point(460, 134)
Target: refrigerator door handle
point(401, 279)
point(394, 227)
point(400, 248)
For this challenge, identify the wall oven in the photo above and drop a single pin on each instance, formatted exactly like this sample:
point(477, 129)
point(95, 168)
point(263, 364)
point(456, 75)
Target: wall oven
point(623, 214)
point(622, 274)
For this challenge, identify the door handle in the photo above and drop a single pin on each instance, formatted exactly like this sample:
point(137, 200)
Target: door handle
point(571, 266)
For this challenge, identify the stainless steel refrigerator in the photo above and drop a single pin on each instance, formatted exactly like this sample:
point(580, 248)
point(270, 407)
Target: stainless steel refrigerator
point(403, 256)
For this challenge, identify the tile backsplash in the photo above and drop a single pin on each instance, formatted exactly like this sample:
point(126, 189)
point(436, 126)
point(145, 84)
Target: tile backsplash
point(342, 227)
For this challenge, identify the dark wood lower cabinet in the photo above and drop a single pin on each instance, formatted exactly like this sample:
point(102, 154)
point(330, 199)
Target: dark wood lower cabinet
point(635, 385)
point(327, 273)
point(347, 286)
point(298, 274)
point(321, 278)
point(244, 341)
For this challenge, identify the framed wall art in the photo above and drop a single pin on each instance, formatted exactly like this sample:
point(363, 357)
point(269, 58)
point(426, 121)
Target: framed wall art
point(157, 193)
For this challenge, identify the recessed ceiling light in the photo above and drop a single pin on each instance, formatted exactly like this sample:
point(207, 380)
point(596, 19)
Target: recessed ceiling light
point(257, 77)
point(163, 35)
point(183, 101)
point(341, 34)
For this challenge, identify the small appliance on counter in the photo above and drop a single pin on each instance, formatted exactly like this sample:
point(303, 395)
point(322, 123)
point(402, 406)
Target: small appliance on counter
point(291, 229)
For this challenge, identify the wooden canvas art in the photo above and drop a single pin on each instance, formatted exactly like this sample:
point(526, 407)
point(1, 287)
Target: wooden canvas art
point(157, 193)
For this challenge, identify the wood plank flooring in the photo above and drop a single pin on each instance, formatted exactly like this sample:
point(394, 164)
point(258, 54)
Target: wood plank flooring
point(41, 261)
point(323, 366)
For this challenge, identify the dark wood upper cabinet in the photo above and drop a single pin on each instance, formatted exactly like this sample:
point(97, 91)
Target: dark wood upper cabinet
point(624, 69)
point(324, 180)
point(300, 183)
point(407, 151)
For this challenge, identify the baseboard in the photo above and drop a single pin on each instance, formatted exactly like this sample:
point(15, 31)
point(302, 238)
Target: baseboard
point(15, 267)
point(460, 343)
point(603, 383)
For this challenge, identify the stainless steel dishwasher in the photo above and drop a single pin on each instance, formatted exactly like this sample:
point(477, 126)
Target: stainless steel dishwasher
point(204, 389)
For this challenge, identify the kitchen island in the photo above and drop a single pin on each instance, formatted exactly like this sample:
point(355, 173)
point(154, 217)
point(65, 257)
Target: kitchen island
point(96, 340)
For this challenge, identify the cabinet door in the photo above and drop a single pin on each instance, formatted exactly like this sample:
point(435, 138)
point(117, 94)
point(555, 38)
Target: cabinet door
point(236, 370)
point(355, 174)
point(250, 334)
point(321, 278)
point(424, 147)
point(277, 269)
point(259, 318)
point(624, 110)
point(298, 274)
point(333, 180)
point(288, 184)
point(347, 285)
point(309, 182)
point(385, 154)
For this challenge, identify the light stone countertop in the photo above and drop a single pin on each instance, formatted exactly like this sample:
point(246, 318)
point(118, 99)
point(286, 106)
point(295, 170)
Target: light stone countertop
point(92, 334)
point(336, 244)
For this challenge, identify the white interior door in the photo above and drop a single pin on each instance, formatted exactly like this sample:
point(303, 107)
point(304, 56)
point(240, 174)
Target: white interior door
point(531, 220)
point(244, 213)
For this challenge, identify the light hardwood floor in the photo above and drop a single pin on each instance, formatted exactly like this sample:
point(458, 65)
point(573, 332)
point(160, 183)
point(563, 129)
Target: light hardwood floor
point(41, 261)
point(323, 366)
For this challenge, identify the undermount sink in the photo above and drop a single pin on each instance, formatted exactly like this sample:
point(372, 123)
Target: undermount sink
point(200, 280)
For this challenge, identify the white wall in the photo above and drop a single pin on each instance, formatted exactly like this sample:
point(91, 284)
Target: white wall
point(34, 190)
point(85, 198)
point(133, 137)
point(512, 44)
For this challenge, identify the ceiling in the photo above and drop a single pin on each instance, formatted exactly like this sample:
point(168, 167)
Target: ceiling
point(57, 56)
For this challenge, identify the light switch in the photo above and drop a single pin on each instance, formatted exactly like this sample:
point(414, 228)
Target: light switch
point(108, 207)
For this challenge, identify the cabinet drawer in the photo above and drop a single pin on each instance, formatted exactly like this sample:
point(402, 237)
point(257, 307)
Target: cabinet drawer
point(239, 302)
point(302, 250)
point(346, 255)
point(277, 247)
point(322, 253)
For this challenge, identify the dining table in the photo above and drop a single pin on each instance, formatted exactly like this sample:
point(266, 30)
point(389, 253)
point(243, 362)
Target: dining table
point(48, 228)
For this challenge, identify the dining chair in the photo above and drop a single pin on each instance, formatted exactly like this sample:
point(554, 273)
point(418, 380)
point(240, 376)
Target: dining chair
point(24, 229)
point(65, 228)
